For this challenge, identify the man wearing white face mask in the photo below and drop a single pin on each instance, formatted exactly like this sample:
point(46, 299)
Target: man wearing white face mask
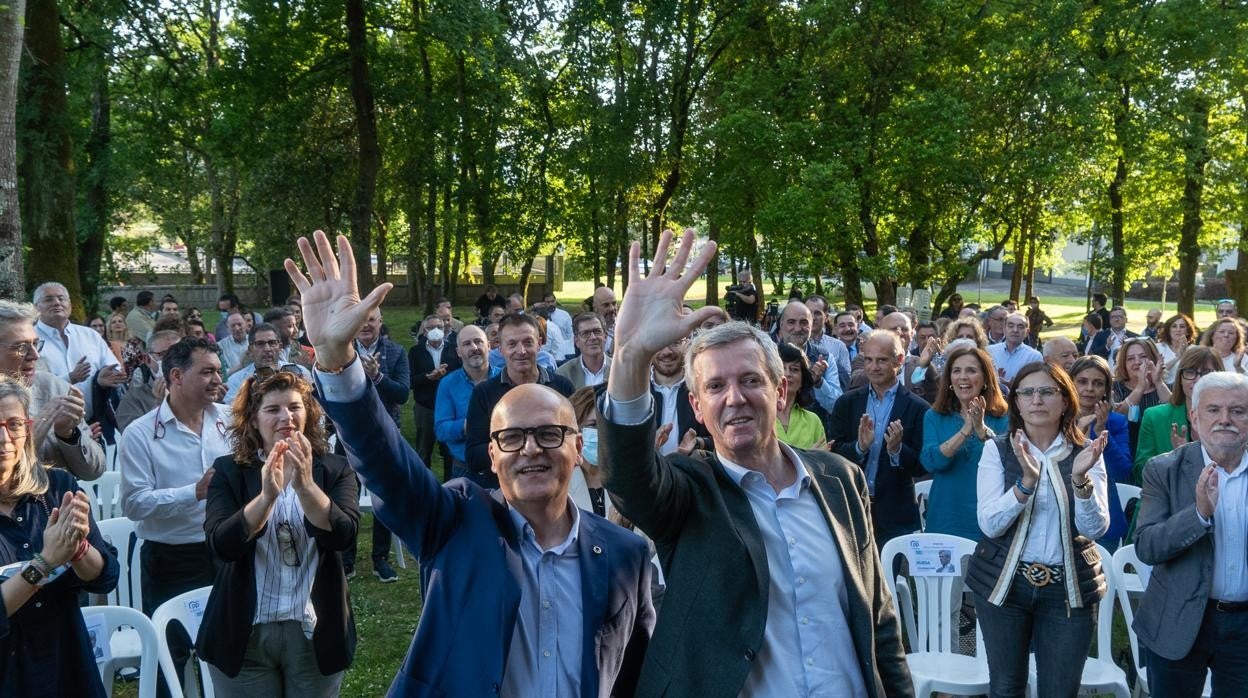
point(147, 385)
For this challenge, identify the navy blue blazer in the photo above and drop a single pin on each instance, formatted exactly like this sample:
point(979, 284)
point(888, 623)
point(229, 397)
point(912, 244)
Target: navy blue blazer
point(893, 508)
point(1100, 342)
point(470, 562)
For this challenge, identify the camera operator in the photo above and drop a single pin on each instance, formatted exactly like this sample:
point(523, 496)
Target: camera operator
point(742, 298)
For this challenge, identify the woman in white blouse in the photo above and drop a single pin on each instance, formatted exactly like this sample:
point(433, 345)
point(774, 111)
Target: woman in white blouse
point(1176, 335)
point(1036, 576)
point(280, 510)
point(1226, 337)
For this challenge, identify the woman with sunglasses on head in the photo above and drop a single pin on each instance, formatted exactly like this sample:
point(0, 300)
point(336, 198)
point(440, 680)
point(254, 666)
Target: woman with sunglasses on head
point(1092, 379)
point(1165, 427)
point(1139, 382)
point(1042, 503)
point(968, 411)
point(1226, 338)
point(280, 510)
point(48, 536)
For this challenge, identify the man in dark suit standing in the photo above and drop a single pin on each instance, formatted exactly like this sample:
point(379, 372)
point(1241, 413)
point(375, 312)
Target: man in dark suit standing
point(524, 595)
point(431, 359)
point(1108, 341)
point(768, 551)
point(880, 427)
point(1192, 528)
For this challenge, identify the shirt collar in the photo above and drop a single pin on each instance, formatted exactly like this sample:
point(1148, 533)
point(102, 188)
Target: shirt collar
point(890, 393)
point(542, 376)
point(526, 529)
point(741, 474)
point(1243, 461)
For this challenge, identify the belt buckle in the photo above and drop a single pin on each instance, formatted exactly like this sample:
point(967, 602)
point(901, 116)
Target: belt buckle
point(1222, 606)
point(1038, 574)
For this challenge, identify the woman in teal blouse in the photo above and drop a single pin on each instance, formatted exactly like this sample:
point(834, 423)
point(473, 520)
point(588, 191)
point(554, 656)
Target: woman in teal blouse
point(1164, 427)
point(968, 410)
point(797, 423)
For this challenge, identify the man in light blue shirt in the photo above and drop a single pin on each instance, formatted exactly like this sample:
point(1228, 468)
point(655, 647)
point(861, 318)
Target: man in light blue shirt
point(450, 414)
point(265, 345)
point(1013, 354)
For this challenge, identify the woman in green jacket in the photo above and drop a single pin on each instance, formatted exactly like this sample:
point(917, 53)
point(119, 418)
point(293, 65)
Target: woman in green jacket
point(1164, 427)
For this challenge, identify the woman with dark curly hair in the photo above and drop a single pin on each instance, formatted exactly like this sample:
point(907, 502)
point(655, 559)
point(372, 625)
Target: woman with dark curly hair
point(798, 422)
point(280, 511)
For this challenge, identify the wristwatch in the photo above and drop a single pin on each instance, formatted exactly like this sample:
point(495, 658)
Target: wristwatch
point(32, 574)
point(1085, 489)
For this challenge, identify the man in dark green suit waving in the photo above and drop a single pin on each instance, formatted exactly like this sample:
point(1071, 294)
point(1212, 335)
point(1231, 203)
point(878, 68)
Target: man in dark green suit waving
point(774, 587)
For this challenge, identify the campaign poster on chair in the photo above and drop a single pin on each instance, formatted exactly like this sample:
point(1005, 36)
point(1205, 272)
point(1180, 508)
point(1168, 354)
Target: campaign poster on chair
point(933, 559)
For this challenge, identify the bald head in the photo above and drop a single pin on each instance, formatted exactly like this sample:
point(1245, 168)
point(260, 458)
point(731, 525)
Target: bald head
point(899, 324)
point(1061, 351)
point(519, 405)
point(604, 305)
point(795, 321)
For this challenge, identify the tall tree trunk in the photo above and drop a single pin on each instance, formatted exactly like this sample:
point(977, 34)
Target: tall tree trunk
point(383, 258)
point(1020, 256)
point(1029, 273)
point(46, 166)
point(369, 152)
point(12, 273)
point(1195, 159)
point(1237, 278)
point(98, 151)
point(712, 271)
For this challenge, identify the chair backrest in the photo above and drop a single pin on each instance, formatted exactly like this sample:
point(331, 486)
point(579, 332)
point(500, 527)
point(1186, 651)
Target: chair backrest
point(922, 493)
point(120, 532)
point(106, 492)
point(1105, 610)
point(187, 609)
point(116, 617)
point(1125, 557)
point(937, 598)
point(1127, 494)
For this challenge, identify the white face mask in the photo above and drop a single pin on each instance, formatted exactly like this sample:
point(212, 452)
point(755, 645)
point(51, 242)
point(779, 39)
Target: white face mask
point(435, 336)
point(589, 445)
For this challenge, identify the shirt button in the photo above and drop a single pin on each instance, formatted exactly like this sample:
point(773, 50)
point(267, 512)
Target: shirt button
point(810, 661)
point(38, 604)
point(19, 519)
point(546, 653)
point(792, 542)
point(805, 620)
point(25, 545)
point(545, 604)
point(801, 580)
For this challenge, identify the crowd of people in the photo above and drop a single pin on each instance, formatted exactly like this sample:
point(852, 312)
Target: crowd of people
point(640, 498)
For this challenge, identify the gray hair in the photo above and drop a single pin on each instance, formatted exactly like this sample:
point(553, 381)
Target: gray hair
point(731, 333)
point(14, 313)
point(1055, 345)
point(891, 337)
point(43, 287)
point(1219, 380)
point(28, 478)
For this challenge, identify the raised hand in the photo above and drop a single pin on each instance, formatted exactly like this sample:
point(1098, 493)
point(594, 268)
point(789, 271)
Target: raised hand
point(1026, 461)
point(272, 473)
point(63, 532)
point(299, 460)
point(931, 348)
point(333, 312)
point(82, 369)
point(866, 432)
point(1102, 415)
point(1178, 435)
point(1207, 491)
point(1088, 457)
point(817, 370)
point(660, 436)
point(892, 437)
point(687, 442)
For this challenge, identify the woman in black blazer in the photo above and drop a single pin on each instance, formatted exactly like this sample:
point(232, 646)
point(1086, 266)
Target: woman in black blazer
point(280, 510)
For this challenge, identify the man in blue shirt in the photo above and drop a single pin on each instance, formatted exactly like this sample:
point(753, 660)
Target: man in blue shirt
point(450, 413)
point(524, 594)
point(1012, 354)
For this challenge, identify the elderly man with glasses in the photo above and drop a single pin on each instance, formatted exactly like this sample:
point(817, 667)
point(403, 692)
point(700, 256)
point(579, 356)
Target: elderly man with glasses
point(525, 595)
point(75, 353)
point(61, 434)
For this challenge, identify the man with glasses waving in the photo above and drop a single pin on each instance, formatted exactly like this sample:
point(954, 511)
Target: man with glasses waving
point(572, 590)
point(61, 432)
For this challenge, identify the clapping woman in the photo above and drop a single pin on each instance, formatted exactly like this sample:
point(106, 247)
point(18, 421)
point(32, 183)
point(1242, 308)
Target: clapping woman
point(1035, 576)
point(1092, 380)
point(280, 510)
point(46, 528)
point(968, 411)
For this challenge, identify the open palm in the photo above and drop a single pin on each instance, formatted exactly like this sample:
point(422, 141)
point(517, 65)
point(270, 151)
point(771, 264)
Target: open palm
point(333, 312)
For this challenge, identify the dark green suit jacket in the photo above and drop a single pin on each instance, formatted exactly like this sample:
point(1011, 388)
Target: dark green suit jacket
point(710, 628)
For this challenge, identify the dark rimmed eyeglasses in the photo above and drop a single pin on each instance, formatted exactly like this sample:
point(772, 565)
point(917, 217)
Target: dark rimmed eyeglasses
point(1192, 374)
point(1044, 393)
point(17, 426)
point(546, 436)
point(263, 374)
point(286, 544)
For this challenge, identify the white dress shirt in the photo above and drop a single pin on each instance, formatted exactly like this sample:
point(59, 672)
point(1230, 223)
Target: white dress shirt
point(593, 378)
point(669, 416)
point(60, 354)
point(161, 461)
point(998, 507)
point(1230, 533)
point(560, 317)
point(232, 353)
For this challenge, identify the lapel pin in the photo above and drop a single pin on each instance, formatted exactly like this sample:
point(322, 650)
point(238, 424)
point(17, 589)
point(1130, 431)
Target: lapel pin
point(597, 550)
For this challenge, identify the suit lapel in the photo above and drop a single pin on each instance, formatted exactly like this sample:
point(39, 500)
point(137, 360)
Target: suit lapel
point(1193, 463)
point(832, 501)
point(741, 514)
point(592, 554)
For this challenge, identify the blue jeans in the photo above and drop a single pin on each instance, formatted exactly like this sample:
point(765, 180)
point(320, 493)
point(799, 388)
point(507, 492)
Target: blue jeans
point(1035, 617)
point(1221, 645)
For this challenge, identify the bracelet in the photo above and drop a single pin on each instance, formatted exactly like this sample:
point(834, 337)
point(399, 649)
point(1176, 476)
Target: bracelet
point(47, 569)
point(83, 547)
point(1022, 488)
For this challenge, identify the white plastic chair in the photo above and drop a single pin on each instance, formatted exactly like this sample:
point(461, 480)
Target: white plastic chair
point(922, 493)
point(1126, 494)
point(366, 504)
point(1100, 673)
point(1125, 557)
point(106, 493)
point(175, 610)
point(121, 618)
point(126, 644)
point(110, 456)
point(934, 663)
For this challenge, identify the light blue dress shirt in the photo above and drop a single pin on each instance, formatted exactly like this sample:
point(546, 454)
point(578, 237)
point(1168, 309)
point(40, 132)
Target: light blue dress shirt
point(1012, 361)
point(235, 383)
point(807, 648)
point(880, 410)
point(545, 654)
